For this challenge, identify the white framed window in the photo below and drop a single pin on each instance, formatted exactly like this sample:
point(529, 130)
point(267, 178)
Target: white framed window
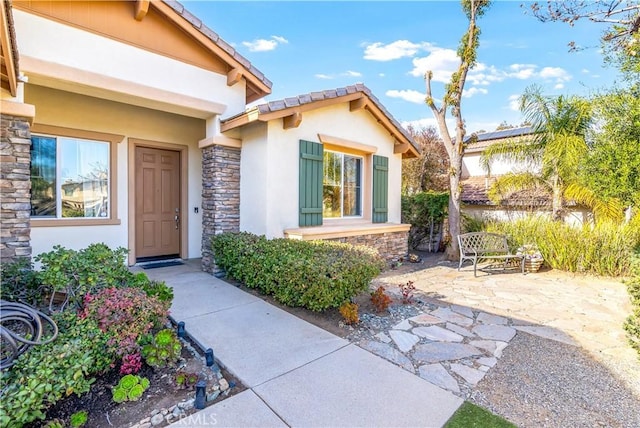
point(70, 177)
point(341, 185)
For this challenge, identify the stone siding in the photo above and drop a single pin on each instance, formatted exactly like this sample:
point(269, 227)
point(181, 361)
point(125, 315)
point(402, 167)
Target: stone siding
point(220, 197)
point(392, 246)
point(15, 188)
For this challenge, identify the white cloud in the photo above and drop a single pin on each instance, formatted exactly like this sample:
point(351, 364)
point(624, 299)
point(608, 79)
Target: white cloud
point(560, 74)
point(585, 70)
point(514, 102)
point(381, 74)
point(442, 62)
point(399, 49)
point(430, 121)
point(522, 71)
point(559, 86)
point(352, 73)
point(407, 95)
point(264, 45)
point(323, 76)
point(482, 74)
point(468, 93)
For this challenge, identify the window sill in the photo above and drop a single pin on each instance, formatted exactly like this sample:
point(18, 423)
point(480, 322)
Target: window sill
point(61, 222)
point(344, 230)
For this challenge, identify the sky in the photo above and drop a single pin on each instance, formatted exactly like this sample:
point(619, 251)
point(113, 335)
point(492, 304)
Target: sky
point(306, 46)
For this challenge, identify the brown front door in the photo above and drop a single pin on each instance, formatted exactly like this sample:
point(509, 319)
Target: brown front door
point(157, 202)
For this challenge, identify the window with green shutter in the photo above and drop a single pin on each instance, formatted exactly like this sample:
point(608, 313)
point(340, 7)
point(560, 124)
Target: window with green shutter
point(380, 189)
point(310, 195)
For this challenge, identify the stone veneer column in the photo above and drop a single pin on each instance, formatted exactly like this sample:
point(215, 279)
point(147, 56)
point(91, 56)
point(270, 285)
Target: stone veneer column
point(220, 197)
point(15, 188)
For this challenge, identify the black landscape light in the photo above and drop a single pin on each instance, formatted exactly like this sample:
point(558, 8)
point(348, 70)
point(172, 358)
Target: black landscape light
point(181, 331)
point(201, 394)
point(208, 354)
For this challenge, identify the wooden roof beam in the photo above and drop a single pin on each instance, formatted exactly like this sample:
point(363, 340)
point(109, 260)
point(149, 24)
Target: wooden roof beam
point(8, 52)
point(292, 121)
point(142, 7)
point(400, 148)
point(358, 104)
point(234, 76)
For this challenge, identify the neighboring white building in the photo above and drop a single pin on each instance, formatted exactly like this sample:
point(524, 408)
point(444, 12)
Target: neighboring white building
point(144, 95)
point(476, 182)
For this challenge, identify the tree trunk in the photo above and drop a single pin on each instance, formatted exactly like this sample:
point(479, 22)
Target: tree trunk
point(454, 214)
point(556, 202)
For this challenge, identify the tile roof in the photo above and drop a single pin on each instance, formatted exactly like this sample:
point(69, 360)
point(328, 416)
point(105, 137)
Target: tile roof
point(312, 97)
point(474, 192)
point(215, 38)
point(486, 139)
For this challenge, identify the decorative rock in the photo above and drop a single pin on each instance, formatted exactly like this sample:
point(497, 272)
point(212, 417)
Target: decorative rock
point(548, 333)
point(495, 332)
point(437, 333)
point(460, 330)
point(494, 347)
point(471, 375)
point(157, 419)
point(462, 310)
point(164, 411)
point(212, 396)
point(388, 353)
point(484, 368)
point(425, 319)
point(448, 315)
point(403, 340)
point(436, 351)
point(177, 411)
point(487, 361)
point(486, 318)
point(145, 425)
point(382, 337)
point(224, 385)
point(145, 420)
point(403, 325)
point(155, 412)
point(186, 405)
point(438, 375)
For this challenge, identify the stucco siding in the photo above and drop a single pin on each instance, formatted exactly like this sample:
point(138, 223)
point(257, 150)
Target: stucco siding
point(278, 151)
point(75, 111)
point(42, 39)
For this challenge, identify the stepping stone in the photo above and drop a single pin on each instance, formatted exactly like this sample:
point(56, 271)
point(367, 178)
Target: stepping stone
point(434, 332)
point(491, 346)
point(460, 330)
point(486, 318)
point(548, 333)
point(443, 351)
point(438, 375)
point(470, 375)
point(462, 310)
point(388, 353)
point(403, 340)
point(495, 332)
point(403, 325)
point(382, 337)
point(448, 315)
point(487, 361)
point(425, 319)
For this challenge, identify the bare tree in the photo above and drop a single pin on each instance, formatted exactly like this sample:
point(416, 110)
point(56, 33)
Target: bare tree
point(429, 170)
point(454, 146)
point(621, 16)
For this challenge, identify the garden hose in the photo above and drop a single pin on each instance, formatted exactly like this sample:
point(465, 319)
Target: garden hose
point(32, 322)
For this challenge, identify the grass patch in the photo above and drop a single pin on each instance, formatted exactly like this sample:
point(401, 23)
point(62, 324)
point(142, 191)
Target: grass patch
point(469, 416)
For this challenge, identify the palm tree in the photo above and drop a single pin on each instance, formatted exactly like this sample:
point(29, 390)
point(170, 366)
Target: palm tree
point(554, 152)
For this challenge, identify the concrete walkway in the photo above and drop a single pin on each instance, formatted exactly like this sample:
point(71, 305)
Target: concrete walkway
point(296, 373)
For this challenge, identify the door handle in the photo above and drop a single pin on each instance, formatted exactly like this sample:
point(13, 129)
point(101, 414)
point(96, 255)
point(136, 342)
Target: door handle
point(177, 220)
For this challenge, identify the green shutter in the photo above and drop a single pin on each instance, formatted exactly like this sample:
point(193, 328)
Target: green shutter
point(380, 189)
point(310, 195)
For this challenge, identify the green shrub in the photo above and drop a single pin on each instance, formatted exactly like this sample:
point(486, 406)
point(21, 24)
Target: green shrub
point(632, 324)
point(92, 269)
point(130, 388)
point(316, 275)
point(605, 249)
point(164, 349)
point(19, 282)
point(79, 419)
point(46, 373)
point(421, 210)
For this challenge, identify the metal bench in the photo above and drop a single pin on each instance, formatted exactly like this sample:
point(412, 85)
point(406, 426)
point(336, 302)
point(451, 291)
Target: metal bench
point(477, 246)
